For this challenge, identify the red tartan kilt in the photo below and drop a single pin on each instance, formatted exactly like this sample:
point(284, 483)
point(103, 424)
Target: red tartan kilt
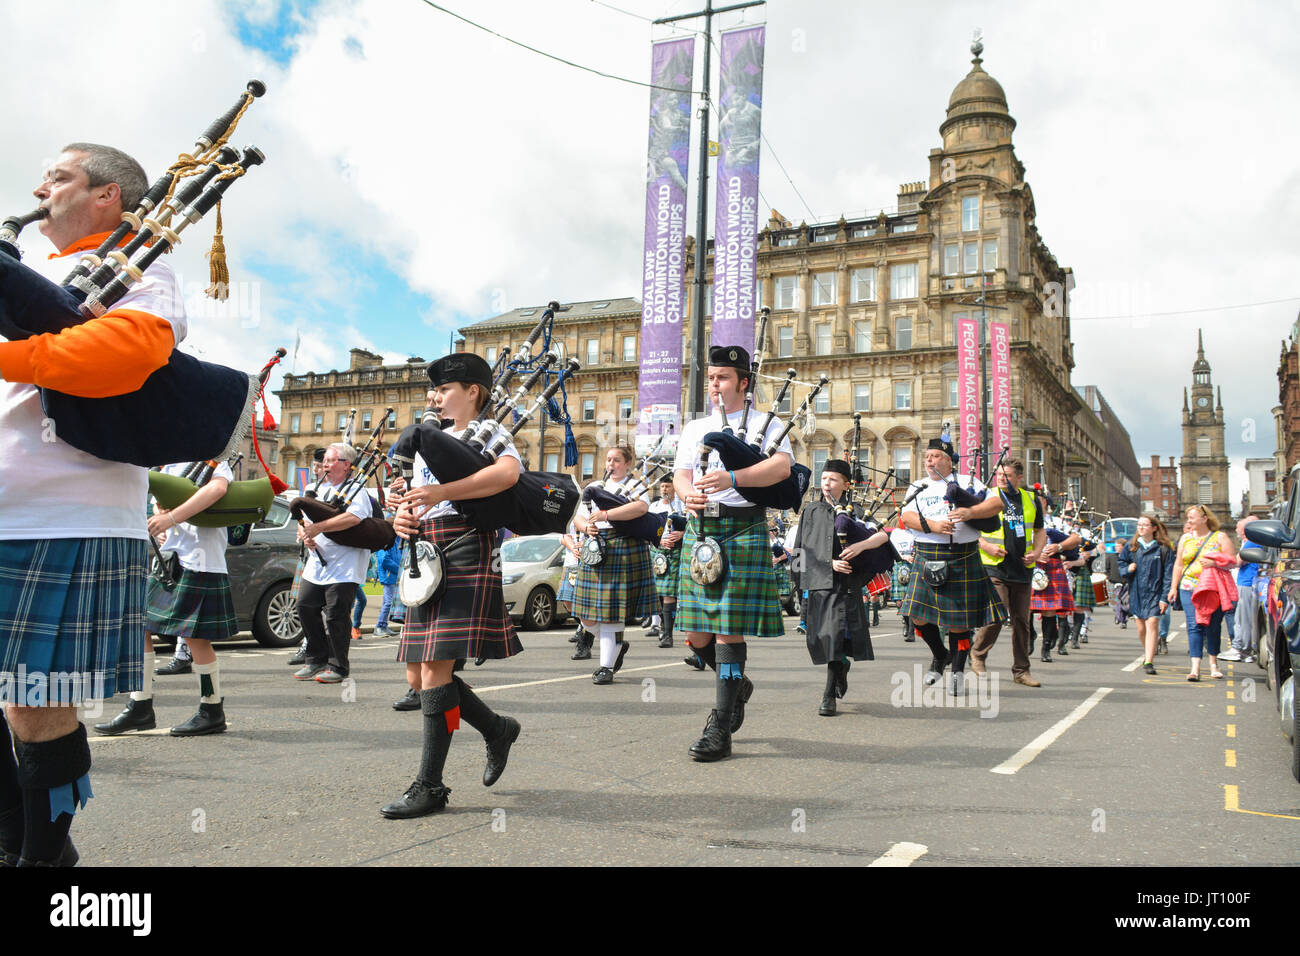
point(1057, 596)
point(470, 620)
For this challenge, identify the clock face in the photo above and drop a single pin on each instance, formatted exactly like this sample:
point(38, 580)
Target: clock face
point(1202, 402)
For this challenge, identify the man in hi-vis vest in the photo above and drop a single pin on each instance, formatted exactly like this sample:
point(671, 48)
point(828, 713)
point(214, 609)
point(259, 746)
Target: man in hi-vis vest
point(1010, 568)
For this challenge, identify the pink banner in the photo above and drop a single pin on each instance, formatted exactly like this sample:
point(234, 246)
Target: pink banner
point(1000, 337)
point(968, 390)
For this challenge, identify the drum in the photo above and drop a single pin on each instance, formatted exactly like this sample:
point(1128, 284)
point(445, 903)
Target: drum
point(878, 585)
point(1100, 587)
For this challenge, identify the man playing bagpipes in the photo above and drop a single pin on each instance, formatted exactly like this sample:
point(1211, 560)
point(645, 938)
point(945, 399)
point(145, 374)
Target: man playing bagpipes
point(73, 541)
point(947, 590)
point(836, 619)
point(731, 534)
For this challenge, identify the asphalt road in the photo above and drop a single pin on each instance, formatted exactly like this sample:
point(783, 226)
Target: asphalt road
point(1146, 776)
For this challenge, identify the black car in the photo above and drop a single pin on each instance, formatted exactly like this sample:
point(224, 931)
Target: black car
point(261, 560)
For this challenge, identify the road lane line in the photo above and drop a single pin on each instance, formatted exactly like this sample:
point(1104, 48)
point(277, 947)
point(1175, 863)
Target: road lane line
point(900, 854)
point(1130, 668)
point(1044, 740)
point(1232, 711)
point(1230, 758)
point(1230, 804)
point(1232, 730)
point(560, 680)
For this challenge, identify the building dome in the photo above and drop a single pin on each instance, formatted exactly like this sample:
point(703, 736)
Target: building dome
point(977, 95)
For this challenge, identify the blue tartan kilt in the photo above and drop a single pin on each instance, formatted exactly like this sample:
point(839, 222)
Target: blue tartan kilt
point(666, 583)
point(1056, 597)
point(71, 619)
point(1084, 599)
point(297, 576)
point(621, 586)
point(744, 601)
point(898, 580)
point(568, 584)
point(966, 601)
point(198, 608)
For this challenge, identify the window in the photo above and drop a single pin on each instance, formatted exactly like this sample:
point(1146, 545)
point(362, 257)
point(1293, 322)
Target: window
point(1202, 448)
point(822, 403)
point(823, 338)
point(862, 336)
point(295, 424)
point(903, 333)
point(823, 288)
point(629, 348)
point(758, 294)
point(788, 239)
point(708, 298)
point(551, 461)
point(1037, 473)
point(990, 255)
point(588, 409)
point(903, 465)
point(950, 258)
point(862, 398)
point(785, 292)
point(970, 213)
point(784, 342)
point(491, 355)
point(824, 235)
point(959, 317)
point(275, 449)
point(820, 457)
point(588, 462)
point(971, 259)
point(593, 352)
point(902, 281)
point(1204, 491)
point(864, 285)
point(909, 226)
point(318, 424)
point(902, 395)
point(343, 420)
point(417, 415)
point(624, 408)
point(392, 419)
point(950, 386)
point(862, 232)
point(784, 407)
point(1075, 486)
point(365, 420)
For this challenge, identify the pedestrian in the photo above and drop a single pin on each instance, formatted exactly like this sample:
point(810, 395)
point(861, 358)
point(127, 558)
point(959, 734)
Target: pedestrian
point(1245, 636)
point(1147, 567)
point(1203, 546)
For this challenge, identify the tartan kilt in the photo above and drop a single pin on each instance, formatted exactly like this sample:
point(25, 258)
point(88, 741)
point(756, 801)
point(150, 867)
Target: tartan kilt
point(965, 602)
point(621, 586)
point(568, 584)
point(666, 583)
point(198, 608)
point(1084, 599)
point(470, 620)
point(297, 576)
point(783, 586)
point(75, 607)
point(744, 601)
point(1056, 597)
point(897, 584)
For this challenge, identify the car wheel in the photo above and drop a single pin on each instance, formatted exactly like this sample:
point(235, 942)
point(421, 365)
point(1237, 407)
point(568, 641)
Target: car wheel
point(539, 609)
point(276, 622)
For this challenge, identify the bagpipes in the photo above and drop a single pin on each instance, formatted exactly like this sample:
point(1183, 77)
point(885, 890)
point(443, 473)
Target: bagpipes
point(371, 533)
point(959, 497)
point(109, 427)
point(648, 527)
point(849, 529)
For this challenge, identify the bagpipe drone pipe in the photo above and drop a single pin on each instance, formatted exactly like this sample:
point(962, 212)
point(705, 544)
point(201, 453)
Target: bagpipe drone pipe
point(850, 530)
point(371, 533)
point(541, 502)
point(960, 497)
point(187, 410)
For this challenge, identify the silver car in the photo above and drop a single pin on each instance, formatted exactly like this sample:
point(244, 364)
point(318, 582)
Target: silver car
point(531, 569)
point(261, 563)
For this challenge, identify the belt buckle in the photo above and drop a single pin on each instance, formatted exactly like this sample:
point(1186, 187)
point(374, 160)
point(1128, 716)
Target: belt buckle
point(713, 509)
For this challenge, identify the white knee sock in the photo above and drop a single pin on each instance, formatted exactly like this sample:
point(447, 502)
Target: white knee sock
point(608, 644)
point(656, 620)
point(213, 676)
point(146, 690)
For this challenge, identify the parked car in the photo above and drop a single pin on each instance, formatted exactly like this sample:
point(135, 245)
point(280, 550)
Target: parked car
point(1114, 532)
point(531, 567)
point(1277, 552)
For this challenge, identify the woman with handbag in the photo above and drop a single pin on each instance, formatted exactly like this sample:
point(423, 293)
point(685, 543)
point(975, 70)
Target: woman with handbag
point(1147, 565)
point(1202, 547)
point(468, 618)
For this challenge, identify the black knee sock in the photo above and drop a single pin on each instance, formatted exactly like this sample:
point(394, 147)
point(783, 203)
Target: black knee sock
point(1049, 632)
point(1078, 625)
point(476, 713)
point(54, 781)
point(670, 615)
point(441, 709)
point(731, 671)
point(959, 647)
point(11, 795)
point(930, 634)
point(708, 654)
point(832, 676)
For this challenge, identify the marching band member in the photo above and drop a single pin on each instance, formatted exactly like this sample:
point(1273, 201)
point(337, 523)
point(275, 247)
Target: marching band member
point(1085, 599)
point(904, 542)
point(568, 588)
point(947, 589)
point(837, 622)
point(669, 556)
point(299, 656)
point(74, 602)
point(718, 616)
point(470, 619)
point(199, 609)
point(621, 585)
point(1054, 603)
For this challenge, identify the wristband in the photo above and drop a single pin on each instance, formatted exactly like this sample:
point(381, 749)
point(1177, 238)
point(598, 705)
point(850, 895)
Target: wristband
point(733, 478)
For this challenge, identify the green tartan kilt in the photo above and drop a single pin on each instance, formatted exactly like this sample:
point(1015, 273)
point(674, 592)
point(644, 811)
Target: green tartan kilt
point(744, 601)
point(621, 586)
point(898, 580)
point(666, 583)
point(783, 586)
point(965, 602)
point(1084, 599)
point(198, 608)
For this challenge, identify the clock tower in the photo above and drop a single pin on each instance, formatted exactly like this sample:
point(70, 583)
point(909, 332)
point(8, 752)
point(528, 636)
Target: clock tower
point(1204, 464)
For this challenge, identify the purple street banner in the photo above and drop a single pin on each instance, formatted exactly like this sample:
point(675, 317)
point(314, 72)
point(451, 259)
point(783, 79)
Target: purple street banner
point(663, 290)
point(735, 220)
point(1000, 335)
point(968, 404)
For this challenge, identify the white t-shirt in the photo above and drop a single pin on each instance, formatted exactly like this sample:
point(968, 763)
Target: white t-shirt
point(48, 489)
point(932, 505)
point(688, 448)
point(904, 542)
point(199, 549)
point(342, 564)
point(424, 476)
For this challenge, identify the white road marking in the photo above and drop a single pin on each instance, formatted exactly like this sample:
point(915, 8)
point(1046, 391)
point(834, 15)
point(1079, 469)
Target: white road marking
point(560, 680)
point(900, 854)
point(1049, 736)
point(1129, 668)
point(157, 732)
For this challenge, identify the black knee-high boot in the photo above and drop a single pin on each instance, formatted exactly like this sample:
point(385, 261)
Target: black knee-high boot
point(54, 777)
point(1049, 637)
point(1063, 632)
point(11, 800)
point(1078, 630)
point(441, 708)
point(827, 708)
point(499, 731)
point(934, 640)
point(669, 616)
point(715, 743)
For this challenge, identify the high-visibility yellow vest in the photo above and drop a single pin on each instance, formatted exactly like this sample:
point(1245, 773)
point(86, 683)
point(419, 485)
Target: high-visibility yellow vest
point(997, 537)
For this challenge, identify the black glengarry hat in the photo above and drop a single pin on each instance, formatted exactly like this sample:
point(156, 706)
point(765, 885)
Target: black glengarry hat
point(839, 466)
point(730, 356)
point(464, 367)
point(943, 446)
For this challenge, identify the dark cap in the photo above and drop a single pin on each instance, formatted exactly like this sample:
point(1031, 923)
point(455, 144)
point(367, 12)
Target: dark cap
point(943, 446)
point(730, 356)
point(318, 454)
point(464, 367)
point(839, 466)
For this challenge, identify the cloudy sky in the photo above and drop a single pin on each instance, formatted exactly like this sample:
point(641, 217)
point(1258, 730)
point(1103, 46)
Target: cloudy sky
point(422, 174)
